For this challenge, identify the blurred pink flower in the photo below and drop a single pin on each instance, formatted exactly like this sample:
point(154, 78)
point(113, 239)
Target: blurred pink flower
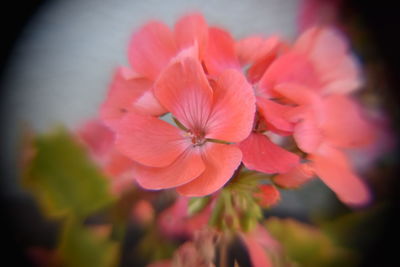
point(191, 157)
point(99, 140)
point(176, 222)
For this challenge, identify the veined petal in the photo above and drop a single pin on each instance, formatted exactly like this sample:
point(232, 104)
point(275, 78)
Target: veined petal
point(220, 53)
point(190, 30)
point(151, 48)
point(275, 114)
point(221, 162)
point(121, 96)
point(183, 90)
point(260, 154)
point(188, 166)
point(149, 141)
point(233, 110)
point(332, 166)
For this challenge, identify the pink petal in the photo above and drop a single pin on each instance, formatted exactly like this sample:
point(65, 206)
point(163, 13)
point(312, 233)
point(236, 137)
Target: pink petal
point(149, 141)
point(220, 53)
point(289, 68)
point(117, 164)
point(183, 90)
point(296, 177)
point(258, 255)
point(333, 168)
point(297, 94)
point(233, 111)
point(307, 134)
point(192, 29)
point(336, 67)
point(184, 169)
point(343, 124)
point(151, 48)
point(147, 104)
point(121, 96)
point(221, 162)
point(252, 48)
point(275, 114)
point(260, 154)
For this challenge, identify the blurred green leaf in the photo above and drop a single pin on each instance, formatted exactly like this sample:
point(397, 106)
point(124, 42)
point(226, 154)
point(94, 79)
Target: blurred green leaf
point(307, 245)
point(197, 204)
point(81, 247)
point(63, 178)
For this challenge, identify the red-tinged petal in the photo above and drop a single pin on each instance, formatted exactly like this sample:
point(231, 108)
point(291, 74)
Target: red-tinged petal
point(275, 114)
point(296, 94)
point(121, 96)
point(190, 30)
point(332, 166)
point(307, 134)
point(260, 154)
point(343, 124)
point(233, 110)
point(296, 177)
point(258, 255)
point(289, 68)
point(149, 141)
point(147, 104)
point(221, 162)
point(183, 90)
point(268, 195)
point(97, 137)
point(253, 48)
point(220, 53)
point(184, 169)
point(151, 48)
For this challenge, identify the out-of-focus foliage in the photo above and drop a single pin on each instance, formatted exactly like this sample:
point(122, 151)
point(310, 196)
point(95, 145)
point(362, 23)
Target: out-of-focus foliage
point(307, 245)
point(69, 187)
point(63, 178)
point(81, 247)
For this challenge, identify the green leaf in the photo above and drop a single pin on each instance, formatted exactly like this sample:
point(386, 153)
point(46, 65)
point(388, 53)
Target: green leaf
point(63, 178)
point(81, 247)
point(197, 204)
point(307, 245)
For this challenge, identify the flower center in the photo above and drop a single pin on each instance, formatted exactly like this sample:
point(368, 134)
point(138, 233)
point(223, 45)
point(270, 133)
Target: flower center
point(197, 137)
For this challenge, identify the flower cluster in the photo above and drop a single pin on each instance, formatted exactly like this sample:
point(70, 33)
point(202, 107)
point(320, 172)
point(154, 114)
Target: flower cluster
point(195, 104)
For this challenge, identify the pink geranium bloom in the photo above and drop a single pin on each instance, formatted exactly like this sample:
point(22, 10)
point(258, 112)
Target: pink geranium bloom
point(319, 60)
point(151, 49)
point(259, 152)
point(324, 126)
point(197, 156)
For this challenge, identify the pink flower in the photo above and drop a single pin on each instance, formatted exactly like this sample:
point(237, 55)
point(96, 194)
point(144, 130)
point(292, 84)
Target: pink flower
point(151, 50)
point(196, 157)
